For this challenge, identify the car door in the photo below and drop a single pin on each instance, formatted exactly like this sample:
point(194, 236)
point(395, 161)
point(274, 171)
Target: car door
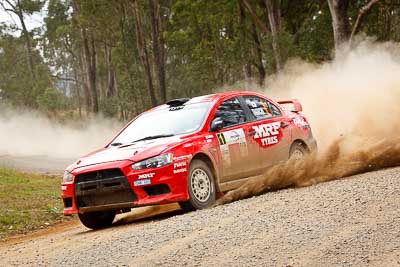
point(234, 148)
point(270, 131)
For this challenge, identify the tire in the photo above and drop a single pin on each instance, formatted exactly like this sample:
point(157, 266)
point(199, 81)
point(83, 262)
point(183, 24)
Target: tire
point(298, 151)
point(201, 187)
point(97, 219)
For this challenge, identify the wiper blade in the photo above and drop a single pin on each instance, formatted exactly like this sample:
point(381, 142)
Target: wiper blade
point(115, 144)
point(153, 137)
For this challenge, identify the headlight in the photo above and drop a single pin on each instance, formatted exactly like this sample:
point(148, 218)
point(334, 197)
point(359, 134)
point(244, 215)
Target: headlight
point(68, 177)
point(154, 162)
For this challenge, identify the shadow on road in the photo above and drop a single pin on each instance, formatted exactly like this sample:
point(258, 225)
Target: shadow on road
point(143, 215)
point(146, 214)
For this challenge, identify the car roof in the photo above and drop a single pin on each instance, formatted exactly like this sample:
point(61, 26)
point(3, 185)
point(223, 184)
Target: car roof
point(217, 96)
point(211, 98)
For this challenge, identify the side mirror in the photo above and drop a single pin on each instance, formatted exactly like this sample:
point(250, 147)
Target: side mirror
point(216, 124)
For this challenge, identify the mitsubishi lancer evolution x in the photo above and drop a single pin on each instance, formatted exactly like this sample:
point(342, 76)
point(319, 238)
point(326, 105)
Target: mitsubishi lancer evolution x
point(188, 151)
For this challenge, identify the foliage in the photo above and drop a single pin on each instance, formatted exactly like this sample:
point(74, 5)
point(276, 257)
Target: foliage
point(52, 100)
point(89, 49)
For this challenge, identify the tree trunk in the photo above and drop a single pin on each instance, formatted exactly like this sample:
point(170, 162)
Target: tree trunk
point(143, 54)
point(244, 56)
point(28, 45)
point(257, 48)
point(86, 92)
point(89, 53)
point(360, 17)
point(78, 93)
point(158, 47)
point(340, 21)
point(92, 76)
point(111, 90)
point(253, 16)
point(273, 11)
point(89, 63)
point(17, 10)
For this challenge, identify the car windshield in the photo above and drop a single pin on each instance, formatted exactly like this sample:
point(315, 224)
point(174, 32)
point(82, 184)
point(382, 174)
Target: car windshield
point(164, 122)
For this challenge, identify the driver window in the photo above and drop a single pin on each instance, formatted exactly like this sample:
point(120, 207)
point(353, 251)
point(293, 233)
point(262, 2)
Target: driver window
point(261, 108)
point(231, 112)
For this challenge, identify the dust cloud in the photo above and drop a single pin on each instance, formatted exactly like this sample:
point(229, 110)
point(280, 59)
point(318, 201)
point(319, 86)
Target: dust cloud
point(25, 133)
point(353, 106)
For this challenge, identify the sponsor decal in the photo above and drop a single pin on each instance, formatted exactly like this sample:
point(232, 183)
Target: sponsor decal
point(180, 164)
point(300, 122)
point(63, 187)
point(232, 137)
point(146, 175)
point(180, 170)
point(184, 157)
point(268, 134)
point(209, 138)
point(142, 182)
point(233, 141)
point(258, 111)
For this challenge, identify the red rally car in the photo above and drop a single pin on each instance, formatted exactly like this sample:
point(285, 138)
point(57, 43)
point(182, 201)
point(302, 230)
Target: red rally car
point(185, 151)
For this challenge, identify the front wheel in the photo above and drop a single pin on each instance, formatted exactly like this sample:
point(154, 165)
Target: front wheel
point(201, 187)
point(97, 219)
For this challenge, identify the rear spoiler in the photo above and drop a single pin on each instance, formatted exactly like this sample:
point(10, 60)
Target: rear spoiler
point(296, 105)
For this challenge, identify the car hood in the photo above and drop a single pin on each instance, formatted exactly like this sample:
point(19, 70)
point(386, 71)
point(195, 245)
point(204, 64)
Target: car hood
point(133, 152)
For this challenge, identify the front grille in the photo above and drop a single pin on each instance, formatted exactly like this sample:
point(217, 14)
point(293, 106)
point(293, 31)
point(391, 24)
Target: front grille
point(156, 190)
point(98, 175)
point(102, 188)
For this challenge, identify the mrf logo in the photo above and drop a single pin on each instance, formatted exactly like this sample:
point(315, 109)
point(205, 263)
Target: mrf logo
point(146, 175)
point(267, 134)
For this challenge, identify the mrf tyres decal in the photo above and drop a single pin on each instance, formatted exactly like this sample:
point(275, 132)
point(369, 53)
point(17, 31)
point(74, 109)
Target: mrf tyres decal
point(268, 134)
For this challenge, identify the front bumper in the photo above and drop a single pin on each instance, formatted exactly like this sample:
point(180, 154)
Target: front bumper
point(116, 186)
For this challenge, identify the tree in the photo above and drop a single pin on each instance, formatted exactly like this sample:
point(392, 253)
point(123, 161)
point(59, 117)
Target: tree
point(340, 20)
point(363, 10)
point(158, 46)
point(143, 53)
point(16, 83)
point(273, 20)
point(21, 8)
point(273, 11)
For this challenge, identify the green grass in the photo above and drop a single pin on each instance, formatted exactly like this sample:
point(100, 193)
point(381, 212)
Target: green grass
point(28, 202)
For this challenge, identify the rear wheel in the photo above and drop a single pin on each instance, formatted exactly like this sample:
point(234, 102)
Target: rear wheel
point(201, 187)
point(97, 219)
point(298, 151)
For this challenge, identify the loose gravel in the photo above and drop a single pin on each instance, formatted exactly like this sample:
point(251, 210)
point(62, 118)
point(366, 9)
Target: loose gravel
point(350, 222)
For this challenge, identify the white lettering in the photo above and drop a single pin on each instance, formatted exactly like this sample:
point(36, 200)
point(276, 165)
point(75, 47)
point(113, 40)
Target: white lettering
point(266, 130)
point(269, 140)
point(180, 164)
point(180, 170)
point(146, 175)
point(184, 157)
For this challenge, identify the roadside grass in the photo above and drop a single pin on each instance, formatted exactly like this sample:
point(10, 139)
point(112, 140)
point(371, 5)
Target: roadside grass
point(28, 202)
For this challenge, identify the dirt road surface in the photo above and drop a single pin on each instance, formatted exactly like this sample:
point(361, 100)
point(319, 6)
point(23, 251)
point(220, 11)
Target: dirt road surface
point(350, 222)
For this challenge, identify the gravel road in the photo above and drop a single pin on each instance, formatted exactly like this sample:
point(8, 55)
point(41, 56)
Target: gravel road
point(350, 222)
